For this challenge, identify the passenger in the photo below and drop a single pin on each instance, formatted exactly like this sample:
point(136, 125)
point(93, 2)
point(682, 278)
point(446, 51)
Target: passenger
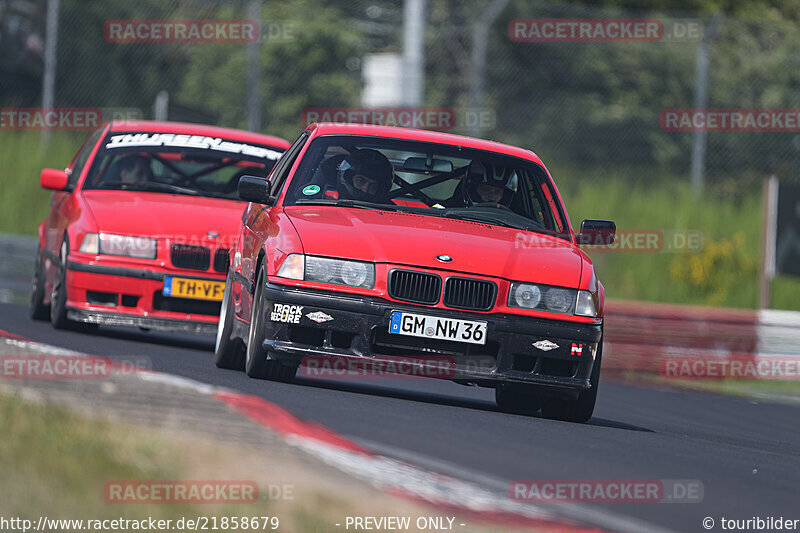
point(488, 183)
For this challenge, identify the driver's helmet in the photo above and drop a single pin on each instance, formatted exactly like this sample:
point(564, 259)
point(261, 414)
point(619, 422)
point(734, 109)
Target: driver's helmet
point(136, 167)
point(490, 183)
point(365, 175)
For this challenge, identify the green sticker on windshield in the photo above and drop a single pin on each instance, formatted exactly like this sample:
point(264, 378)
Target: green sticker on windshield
point(310, 189)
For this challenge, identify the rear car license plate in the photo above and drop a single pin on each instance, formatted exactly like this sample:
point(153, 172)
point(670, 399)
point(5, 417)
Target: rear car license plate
point(196, 289)
point(432, 327)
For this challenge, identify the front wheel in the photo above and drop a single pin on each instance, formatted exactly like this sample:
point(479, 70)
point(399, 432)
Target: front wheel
point(580, 409)
point(38, 310)
point(229, 353)
point(256, 363)
point(58, 297)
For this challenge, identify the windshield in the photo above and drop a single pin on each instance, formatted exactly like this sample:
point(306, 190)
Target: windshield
point(179, 164)
point(427, 178)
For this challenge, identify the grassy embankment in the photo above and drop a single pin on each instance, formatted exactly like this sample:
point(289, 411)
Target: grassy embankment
point(723, 273)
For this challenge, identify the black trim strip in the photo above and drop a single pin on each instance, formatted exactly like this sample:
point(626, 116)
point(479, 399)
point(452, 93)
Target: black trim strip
point(238, 277)
point(55, 258)
point(161, 324)
point(114, 271)
point(139, 273)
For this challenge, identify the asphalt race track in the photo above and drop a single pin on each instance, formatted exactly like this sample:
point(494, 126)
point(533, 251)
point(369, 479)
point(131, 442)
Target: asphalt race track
point(745, 453)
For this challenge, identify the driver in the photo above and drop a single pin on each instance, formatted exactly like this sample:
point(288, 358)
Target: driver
point(365, 175)
point(489, 183)
point(134, 169)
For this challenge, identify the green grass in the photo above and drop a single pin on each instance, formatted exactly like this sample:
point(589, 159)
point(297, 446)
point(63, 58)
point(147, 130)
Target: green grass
point(23, 204)
point(724, 273)
point(56, 463)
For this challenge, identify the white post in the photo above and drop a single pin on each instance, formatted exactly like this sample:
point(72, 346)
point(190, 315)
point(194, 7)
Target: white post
point(413, 52)
point(698, 167)
point(50, 53)
point(769, 237)
point(480, 37)
point(254, 70)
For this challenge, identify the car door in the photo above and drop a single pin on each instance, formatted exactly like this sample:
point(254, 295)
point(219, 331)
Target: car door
point(258, 225)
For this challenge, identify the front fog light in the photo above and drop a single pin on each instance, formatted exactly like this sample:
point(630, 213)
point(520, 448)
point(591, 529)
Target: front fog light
point(293, 267)
point(585, 304)
point(527, 296)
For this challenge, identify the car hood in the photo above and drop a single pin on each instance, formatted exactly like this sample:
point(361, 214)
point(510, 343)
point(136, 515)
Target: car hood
point(172, 216)
point(417, 240)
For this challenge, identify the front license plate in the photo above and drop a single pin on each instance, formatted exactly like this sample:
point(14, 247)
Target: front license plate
point(432, 327)
point(196, 289)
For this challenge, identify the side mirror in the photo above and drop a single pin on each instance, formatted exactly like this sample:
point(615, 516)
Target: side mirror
point(597, 232)
point(255, 189)
point(54, 179)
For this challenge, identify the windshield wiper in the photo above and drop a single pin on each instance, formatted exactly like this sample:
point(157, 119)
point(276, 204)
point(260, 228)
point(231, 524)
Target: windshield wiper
point(347, 203)
point(165, 187)
point(489, 219)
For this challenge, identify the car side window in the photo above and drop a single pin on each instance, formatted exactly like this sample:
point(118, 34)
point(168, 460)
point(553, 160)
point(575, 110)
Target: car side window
point(77, 164)
point(285, 164)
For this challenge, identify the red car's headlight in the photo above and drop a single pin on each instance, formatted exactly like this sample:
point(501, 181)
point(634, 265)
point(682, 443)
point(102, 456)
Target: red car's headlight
point(123, 245)
point(326, 270)
point(552, 299)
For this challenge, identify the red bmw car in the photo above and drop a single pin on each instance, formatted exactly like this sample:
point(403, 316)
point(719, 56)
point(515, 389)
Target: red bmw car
point(141, 222)
point(417, 252)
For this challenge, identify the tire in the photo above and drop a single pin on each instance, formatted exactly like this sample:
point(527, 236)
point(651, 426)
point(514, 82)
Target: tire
point(58, 297)
point(229, 353)
point(514, 401)
point(38, 310)
point(256, 363)
point(580, 409)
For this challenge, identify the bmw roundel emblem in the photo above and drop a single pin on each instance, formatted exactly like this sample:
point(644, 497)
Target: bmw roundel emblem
point(444, 258)
point(212, 234)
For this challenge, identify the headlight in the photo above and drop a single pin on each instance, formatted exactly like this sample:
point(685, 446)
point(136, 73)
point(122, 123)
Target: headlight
point(585, 305)
point(326, 270)
point(559, 300)
point(123, 245)
point(542, 298)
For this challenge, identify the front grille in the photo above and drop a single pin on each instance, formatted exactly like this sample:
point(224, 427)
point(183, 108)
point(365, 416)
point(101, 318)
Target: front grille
point(416, 287)
point(221, 260)
point(191, 257)
point(465, 293)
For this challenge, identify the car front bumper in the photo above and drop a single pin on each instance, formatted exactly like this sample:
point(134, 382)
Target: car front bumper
point(357, 330)
point(112, 294)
